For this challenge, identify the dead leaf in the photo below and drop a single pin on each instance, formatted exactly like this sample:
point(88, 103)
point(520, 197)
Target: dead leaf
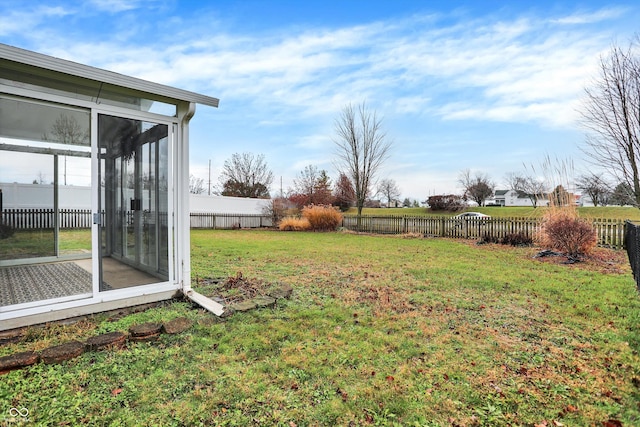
point(116, 391)
point(612, 423)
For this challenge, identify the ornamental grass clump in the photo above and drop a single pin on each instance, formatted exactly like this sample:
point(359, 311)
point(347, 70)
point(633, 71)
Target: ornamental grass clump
point(292, 223)
point(322, 217)
point(562, 229)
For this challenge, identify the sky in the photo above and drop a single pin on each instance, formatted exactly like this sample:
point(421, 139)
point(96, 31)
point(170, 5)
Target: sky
point(490, 86)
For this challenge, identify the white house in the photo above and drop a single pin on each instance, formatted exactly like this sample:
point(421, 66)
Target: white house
point(131, 138)
point(517, 198)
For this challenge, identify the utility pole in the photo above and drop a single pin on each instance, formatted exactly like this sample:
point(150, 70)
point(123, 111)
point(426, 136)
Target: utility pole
point(209, 177)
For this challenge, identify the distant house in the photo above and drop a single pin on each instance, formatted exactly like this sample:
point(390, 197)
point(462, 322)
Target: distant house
point(517, 198)
point(520, 198)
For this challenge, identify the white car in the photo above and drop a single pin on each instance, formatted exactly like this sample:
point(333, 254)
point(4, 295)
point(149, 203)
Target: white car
point(471, 215)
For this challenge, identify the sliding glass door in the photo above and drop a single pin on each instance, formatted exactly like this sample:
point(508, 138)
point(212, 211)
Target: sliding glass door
point(45, 203)
point(133, 176)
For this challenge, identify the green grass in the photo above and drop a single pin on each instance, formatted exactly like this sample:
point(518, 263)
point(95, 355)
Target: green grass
point(612, 212)
point(40, 243)
point(28, 244)
point(379, 331)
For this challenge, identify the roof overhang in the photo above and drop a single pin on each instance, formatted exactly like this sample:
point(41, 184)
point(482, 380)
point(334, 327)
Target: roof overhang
point(74, 69)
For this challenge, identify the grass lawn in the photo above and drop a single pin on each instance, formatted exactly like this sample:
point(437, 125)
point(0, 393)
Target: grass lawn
point(41, 243)
point(379, 331)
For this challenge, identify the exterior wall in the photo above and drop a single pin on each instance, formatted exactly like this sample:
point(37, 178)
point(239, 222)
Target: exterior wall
point(226, 205)
point(40, 196)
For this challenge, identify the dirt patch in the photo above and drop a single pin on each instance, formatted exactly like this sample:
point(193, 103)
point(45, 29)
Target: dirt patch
point(234, 289)
point(602, 260)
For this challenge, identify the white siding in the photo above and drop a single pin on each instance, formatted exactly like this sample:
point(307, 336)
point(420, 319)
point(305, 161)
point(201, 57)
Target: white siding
point(226, 205)
point(40, 196)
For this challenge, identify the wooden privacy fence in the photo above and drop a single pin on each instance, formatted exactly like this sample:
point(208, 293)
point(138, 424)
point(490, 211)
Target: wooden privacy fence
point(229, 221)
point(610, 232)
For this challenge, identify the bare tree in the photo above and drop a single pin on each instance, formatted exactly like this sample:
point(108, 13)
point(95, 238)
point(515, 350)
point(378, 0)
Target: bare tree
point(612, 115)
point(276, 209)
point(389, 190)
point(596, 188)
point(67, 130)
point(196, 185)
point(246, 175)
point(528, 186)
point(478, 187)
point(362, 147)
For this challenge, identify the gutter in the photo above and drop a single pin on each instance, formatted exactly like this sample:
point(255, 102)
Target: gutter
point(184, 226)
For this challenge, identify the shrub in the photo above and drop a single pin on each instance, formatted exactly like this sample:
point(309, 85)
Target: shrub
point(450, 202)
point(291, 223)
point(517, 239)
point(322, 217)
point(488, 238)
point(563, 231)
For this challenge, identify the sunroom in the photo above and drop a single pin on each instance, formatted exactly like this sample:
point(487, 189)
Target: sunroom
point(94, 169)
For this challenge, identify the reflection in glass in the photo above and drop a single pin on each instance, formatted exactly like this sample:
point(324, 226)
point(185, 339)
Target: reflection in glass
point(133, 156)
point(45, 202)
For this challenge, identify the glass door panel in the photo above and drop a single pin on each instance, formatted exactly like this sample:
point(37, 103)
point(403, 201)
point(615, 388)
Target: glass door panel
point(45, 201)
point(74, 200)
point(27, 229)
point(133, 156)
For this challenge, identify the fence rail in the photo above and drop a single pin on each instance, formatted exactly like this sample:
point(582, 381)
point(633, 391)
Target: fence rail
point(229, 221)
point(610, 232)
point(25, 219)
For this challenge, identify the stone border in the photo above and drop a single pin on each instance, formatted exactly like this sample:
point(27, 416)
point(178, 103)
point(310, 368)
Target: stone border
point(262, 301)
point(145, 332)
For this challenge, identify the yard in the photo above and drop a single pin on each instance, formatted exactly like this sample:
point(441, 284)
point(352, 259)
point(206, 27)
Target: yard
point(380, 330)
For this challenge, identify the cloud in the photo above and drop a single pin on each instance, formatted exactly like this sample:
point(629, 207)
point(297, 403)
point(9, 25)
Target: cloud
point(590, 17)
point(117, 6)
point(25, 20)
point(512, 69)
